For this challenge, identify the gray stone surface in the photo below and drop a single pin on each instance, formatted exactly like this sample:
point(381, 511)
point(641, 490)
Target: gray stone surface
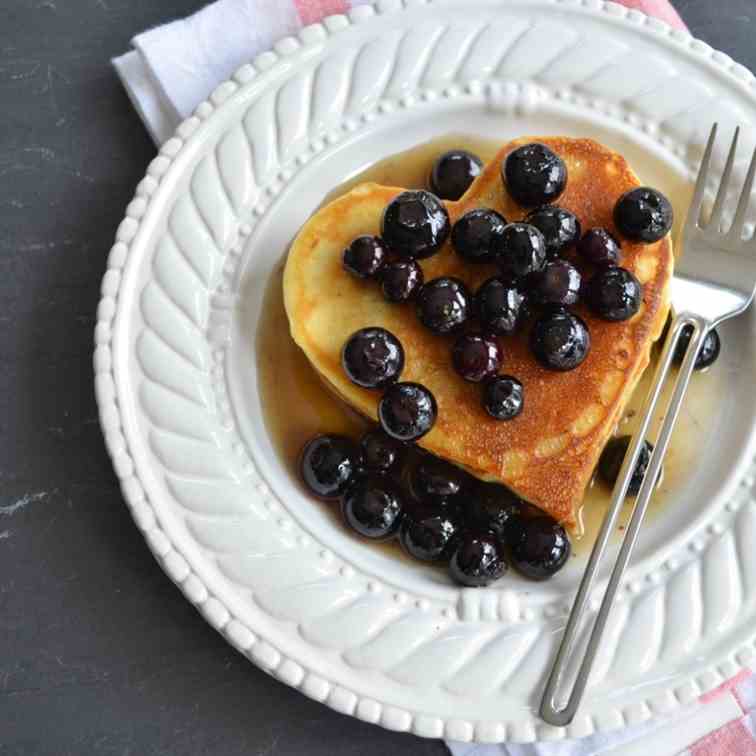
point(99, 653)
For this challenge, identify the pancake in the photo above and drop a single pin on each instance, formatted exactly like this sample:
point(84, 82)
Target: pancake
point(548, 453)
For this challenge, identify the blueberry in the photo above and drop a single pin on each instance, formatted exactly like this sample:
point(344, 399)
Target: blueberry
point(643, 215)
point(614, 294)
point(599, 247)
point(560, 340)
point(476, 357)
point(443, 304)
point(474, 235)
point(435, 482)
point(501, 307)
point(328, 464)
point(401, 280)
point(407, 411)
point(372, 358)
point(380, 452)
point(415, 224)
point(373, 507)
point(539, 546)
point(365, 256)
point(529, 511)
point(558, 283)
point(453, 172)
point(610, 463)
point(708, 353)
point(534, 175)
point(560, 228)
point(429, 534)
point(477, 560)
point(520, 250)
point(503, 397)
point(489, 508)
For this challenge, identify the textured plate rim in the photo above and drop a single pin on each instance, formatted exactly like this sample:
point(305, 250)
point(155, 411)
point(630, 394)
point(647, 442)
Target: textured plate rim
point(169, 557)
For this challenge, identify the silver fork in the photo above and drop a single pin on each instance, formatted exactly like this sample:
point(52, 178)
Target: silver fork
point(714, 280)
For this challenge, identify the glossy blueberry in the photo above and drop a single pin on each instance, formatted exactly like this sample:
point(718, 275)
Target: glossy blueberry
point(365, 256)
point(539, 547)
point(612, 458)
point(401, 280)
point(558, 283)
point(534, 175)
point(614, 294)
point(489, 507)
point(453, 172)
point(474, 236)
point(643, 215)
point(435, 482)
point(477, 560)
point(428, 533)
point(599, 247)
point(560, 228)
point(501, 307)
point(407, 411)
point(560, 340)
point(415, 224)
point(380, 452)
point(444, 304)
point(373, 358)
point(708, 353)
point(503, 397)
point(520, 250)
point(476, 357)
point(373, 506)
point(528, 510)
point(328, 464)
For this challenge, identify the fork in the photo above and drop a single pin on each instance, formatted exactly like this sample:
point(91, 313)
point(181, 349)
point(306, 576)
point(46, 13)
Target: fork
point(714, 280)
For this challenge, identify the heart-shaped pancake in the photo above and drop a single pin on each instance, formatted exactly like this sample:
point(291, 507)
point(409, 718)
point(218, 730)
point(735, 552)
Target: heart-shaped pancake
point(548, 453)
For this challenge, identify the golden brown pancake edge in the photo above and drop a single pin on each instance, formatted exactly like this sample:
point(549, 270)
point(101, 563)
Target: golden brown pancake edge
point(548, 453)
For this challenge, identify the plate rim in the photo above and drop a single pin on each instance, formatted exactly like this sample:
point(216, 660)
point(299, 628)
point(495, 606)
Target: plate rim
point(118, 444)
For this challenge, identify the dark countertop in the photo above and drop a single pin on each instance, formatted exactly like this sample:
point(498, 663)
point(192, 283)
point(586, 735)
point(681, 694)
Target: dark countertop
point(99, 652)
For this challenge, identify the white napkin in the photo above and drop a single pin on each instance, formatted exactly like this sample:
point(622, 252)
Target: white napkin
point(174, 67)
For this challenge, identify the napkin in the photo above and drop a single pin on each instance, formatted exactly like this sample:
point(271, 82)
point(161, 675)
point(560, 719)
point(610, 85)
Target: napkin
point(170, 70)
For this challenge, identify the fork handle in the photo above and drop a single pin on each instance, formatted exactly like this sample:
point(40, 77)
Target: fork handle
point(550, 711)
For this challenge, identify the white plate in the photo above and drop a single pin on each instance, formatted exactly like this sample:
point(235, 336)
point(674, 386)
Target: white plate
point(177, 380)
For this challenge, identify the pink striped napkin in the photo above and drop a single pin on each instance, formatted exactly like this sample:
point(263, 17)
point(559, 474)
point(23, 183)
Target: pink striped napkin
point(174, 67)
point(738, 736)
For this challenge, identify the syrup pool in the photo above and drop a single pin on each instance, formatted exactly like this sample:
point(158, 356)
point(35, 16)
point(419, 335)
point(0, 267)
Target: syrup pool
point(298, 406)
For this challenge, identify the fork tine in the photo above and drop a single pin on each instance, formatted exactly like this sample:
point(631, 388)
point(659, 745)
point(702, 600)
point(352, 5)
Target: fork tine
point(716, 214)
point(736, 230)
point(694, 211)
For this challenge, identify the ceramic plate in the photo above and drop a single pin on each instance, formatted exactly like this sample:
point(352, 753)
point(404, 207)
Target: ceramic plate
point(375, 637)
